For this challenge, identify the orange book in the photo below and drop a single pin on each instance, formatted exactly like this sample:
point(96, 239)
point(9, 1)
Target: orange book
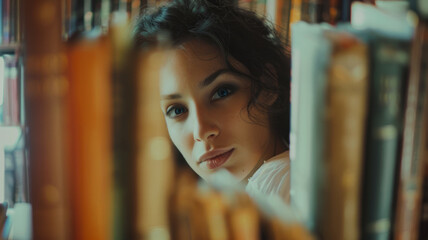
point(45, 96)
point(295, 11)
point(90, 159)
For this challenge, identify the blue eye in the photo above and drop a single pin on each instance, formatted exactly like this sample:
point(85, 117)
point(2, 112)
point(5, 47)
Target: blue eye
point(222, 92)
point(175, 111)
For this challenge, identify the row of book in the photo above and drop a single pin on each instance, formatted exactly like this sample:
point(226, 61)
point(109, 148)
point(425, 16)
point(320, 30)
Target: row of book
point(98, 160)
point(283, 13)
point(101, 162)
point(10, 27)
point(84, 15)
point(359, 126)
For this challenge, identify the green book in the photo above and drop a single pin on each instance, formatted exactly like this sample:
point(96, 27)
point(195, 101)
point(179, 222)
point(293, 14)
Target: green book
point(389, 59)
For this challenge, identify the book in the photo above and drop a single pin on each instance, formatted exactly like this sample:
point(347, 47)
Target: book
point(423, 222)
point(388, 80)
point(182, 222)
point(243, 217)
point(6, 14)
point(368, 16)
point(154, 163)
point(46, 109)
point(90, 125)
point(259, 7)
point(312, 11)
point(346, 114)
point(283, 22)
point(214, 209)
point(245, 4)
point(407, 211)
point(124, 120)
point(310, 52)
point(295, 11)
point(420, 7)
point(271, 13)
point(11, 114)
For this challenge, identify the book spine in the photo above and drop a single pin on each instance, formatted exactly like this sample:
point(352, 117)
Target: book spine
point(124, 120)
point(46, 90)
point(295, 11)
point(6, 22)
point(312, 11)
point(284, 6)
point(2, 89)
point(411, 166)
point(13, 91)
point(90, 127)
point(245, 4)
point(154, 158)
point(271, 12)
point(311, 53)
point(260, 8)
point(346, 115)
point(420, 7)
point(387, 83)
point(6, 92)
point(423, 222)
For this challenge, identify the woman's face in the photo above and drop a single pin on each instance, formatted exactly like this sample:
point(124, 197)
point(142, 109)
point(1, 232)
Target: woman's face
point(205, 110)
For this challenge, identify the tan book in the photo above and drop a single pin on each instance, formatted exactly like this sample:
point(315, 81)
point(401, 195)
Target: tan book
point(346, 115)
point(45, 95)
point(154, 164)
point(182, 227)
point(243, 218)
point(90, 163)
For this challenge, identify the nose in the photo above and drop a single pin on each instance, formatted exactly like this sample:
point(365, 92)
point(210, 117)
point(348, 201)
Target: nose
point(205, 127)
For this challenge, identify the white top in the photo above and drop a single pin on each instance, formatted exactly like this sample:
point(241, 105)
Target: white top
point(272, 178)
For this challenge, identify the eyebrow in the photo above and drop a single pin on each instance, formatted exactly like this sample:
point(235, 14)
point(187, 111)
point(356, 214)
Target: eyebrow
point(208, 80)
point(171, 96)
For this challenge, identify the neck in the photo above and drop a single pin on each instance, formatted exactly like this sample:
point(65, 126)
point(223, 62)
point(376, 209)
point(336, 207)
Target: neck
point(278, 147)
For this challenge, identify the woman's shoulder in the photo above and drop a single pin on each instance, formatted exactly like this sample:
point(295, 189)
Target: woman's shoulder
point(273, 177)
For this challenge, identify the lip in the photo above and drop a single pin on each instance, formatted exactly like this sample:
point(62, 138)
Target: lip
point(215, 158)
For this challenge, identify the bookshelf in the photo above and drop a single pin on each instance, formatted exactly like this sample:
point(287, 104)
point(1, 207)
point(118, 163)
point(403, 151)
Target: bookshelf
point(120, 214)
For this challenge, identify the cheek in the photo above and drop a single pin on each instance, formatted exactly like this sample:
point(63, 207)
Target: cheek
point(181, 139)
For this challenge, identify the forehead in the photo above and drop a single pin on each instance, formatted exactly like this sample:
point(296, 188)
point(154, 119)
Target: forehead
point(188, 64)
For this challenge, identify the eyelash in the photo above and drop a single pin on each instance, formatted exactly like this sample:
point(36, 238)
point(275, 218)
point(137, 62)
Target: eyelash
point(229, 88)
point(171, 110)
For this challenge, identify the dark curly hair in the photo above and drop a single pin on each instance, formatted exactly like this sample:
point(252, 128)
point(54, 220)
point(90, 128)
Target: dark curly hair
point(238, 33)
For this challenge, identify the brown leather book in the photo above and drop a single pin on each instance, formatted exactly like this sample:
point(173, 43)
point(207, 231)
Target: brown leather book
point(90, 161)
point(346, 115)
point(409, 197)
point(45, 94)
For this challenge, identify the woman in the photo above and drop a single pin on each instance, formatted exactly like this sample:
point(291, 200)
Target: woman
point(224, 90)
